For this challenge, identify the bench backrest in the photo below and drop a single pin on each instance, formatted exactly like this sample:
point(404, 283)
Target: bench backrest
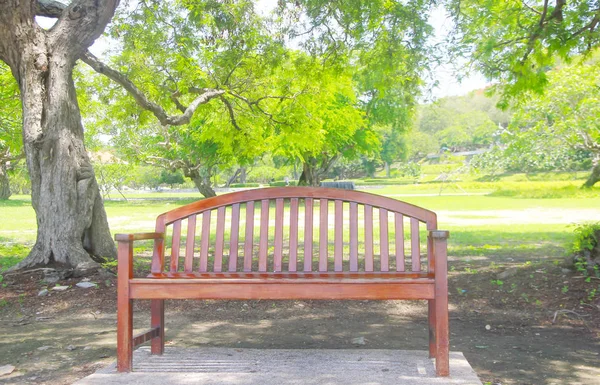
point(295, 229)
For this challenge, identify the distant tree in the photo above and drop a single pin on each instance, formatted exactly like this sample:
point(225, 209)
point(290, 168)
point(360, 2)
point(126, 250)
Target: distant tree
point(463, 122)
point(171, 178)
point(421, 144)
point(563, 121)
point(394, 146)
point(11, 142)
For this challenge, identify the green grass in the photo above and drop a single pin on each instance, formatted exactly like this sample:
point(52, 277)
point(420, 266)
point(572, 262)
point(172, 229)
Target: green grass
point(489, 241)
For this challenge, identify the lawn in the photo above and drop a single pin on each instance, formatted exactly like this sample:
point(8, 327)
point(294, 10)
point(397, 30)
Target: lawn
point(482, 226)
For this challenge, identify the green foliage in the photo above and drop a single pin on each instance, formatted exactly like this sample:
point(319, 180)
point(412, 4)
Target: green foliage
point(585, 248)
point(421, 144)
point(283, 183)
point(456, 123)
point(585, 237)
point(558, 130)
point(19, 179)
point(171, 177)
point(515, 42)
point(112, 176)
point(354, 66)
point(11, 142)
point(410, 169)
point(242, 185)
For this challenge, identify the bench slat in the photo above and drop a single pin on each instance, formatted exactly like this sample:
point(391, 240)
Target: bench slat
point(234, 237)
point(264, 235)
point(296, 275)
point(368, 238)
point(189, 244)
point(383, 240)
point(323, 232)
point(353, 236)
point(219, 239)
point(249, 239)
point(339, 235)
point(278, 251)
point(175, 245)
point(399, 219)
point(280, 289)
point(415, 245)
point(308, 233)
point(205, 241)
point(293, 234)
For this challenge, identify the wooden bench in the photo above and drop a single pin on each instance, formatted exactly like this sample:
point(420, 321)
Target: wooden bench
point(245, 254)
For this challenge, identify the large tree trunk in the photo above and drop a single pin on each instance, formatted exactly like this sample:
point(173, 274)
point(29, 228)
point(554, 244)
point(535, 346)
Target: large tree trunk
point(310, 175)
point(72, 225)
point(4, 183)
point(595, 175)
point(202, 183)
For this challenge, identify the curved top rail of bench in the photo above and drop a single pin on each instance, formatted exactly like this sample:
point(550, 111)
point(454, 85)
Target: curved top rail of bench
point(379, 201)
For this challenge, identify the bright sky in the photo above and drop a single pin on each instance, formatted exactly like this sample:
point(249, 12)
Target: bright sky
point(446, 74)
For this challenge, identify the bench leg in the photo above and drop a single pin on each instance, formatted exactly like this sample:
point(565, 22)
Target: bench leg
point(431, 318)
point(442, 364)
point(124, 336)
point(124, 308)
point(157, 311)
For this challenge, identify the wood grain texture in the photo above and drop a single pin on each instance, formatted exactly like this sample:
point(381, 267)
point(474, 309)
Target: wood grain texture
point(263, 243)
point(205, 241)
point(384, 242)
point(323, 234)
point(353, 236)
point(125, 306)
point(293, 261)
point(297, 289)
point(399, 243)
point(301, 192)
point(175, 245)
point(308, 234)
point(234, 237)
point(339, 236)
point(415, 245)
point(249, 239)
point(368, 238)
point(219, 239)
point(278, 241)
point(190, 244)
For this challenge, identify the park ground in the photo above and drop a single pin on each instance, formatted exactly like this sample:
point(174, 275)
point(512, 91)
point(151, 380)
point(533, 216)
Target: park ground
point(517, 311)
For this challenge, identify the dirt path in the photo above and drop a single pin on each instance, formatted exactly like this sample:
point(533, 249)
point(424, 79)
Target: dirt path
point(68, 335)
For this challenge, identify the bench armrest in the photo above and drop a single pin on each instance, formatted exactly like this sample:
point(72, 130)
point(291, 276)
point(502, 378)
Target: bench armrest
point(439, 234)
point(138, 236)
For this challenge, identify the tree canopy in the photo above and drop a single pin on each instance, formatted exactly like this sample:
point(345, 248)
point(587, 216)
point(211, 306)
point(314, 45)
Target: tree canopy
point(559, 129)
point(516, 42)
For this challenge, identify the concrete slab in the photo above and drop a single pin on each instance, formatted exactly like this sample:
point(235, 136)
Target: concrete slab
point(229, 366)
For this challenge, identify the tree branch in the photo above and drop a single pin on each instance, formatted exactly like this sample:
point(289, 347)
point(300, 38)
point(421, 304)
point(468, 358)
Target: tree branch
point(175, 98)
point(231, 113)
point(143, 101)
point(49, 8)
point(79, 25)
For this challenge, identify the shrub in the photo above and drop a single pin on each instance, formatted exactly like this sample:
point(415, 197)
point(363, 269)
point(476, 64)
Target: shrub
point(282, 183)
point(242, 185)
point(586, 249)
